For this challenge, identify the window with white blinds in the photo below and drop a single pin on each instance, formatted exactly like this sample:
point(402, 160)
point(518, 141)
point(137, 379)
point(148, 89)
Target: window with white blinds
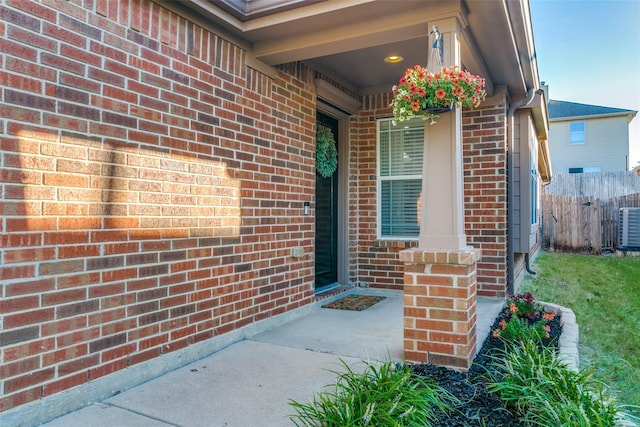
point(400, 151)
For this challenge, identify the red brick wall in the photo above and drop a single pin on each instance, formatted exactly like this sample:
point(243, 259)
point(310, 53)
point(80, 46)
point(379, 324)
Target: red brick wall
point(440, 306)
point(378, 263)
point(485, 189)
point(152, 188)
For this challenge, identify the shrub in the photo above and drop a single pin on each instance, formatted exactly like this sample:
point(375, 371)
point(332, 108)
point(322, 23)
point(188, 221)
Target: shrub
point(545, 392)
point(384, 395)
point(525, 306)
point(524, 319)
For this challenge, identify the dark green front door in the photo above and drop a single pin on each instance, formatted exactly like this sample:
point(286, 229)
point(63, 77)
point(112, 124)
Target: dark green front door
point(326, 217)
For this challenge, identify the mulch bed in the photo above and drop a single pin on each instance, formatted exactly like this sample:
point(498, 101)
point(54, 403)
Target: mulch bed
point(354, 302)
point(478, 407)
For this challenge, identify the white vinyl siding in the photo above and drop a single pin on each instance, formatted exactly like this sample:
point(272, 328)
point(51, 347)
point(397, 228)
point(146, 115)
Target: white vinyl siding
point(606, 145)
point(400, 153)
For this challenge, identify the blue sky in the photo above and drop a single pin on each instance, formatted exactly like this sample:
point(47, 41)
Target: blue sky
point(589, 52)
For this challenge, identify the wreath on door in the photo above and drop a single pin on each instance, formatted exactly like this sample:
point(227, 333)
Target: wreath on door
point(326, 153)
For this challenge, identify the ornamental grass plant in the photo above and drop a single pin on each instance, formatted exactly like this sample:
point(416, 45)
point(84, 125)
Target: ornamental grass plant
point(516, 379)
point(545, 392)
point(382, 395)
point(532, 381)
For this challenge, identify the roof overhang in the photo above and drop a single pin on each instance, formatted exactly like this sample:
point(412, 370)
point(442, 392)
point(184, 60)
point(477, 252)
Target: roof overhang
point(544, 161)
point(541, 123)
point(629, 115)
point(246, 10)
point(348, 40)
point(537, 108)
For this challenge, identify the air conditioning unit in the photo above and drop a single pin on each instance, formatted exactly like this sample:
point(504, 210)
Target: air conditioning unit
point(629, 233)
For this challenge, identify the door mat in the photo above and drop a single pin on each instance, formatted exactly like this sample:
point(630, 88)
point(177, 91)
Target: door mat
point(354, 302)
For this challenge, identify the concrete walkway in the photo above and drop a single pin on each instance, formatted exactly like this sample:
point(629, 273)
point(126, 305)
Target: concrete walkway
point(250, 383)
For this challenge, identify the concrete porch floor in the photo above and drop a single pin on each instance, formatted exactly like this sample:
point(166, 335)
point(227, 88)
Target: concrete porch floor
point(250, 382)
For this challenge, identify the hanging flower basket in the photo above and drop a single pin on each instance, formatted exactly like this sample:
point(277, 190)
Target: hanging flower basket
point(326, 153)
point(423, 94)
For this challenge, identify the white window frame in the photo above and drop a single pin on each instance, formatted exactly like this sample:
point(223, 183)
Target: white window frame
point(380, 179)
point(573, 133)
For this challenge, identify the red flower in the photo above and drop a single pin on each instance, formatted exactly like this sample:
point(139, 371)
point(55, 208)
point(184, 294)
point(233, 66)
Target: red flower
point(549, 316)
point(448, 86)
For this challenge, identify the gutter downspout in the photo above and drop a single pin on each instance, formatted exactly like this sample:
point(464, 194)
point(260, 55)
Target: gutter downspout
point(510, 184)
point(527, 266)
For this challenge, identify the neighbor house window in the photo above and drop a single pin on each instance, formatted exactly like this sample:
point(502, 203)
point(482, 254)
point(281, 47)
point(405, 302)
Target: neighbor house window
point(400, 150)
point(584, 170)
point(576, 133)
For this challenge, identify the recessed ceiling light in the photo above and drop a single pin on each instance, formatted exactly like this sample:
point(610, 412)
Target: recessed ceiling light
point(393, 59)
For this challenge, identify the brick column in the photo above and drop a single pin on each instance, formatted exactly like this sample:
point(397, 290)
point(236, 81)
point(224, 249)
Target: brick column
point(440, 306)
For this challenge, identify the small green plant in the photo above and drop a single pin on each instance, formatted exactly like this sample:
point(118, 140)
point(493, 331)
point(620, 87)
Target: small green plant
point(545, 392)
point(525, 305)
point(382, 395)
point(523, 320)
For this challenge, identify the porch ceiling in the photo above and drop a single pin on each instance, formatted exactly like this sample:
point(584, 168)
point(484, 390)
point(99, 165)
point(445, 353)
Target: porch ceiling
point(349, 39)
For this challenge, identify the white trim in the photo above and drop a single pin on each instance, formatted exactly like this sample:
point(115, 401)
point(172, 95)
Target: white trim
point(379, 180)
point(584, 132)
point(334, 96)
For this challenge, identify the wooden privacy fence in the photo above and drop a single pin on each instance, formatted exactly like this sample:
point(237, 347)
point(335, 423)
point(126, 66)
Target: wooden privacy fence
point(602, 185)
point(583, 223)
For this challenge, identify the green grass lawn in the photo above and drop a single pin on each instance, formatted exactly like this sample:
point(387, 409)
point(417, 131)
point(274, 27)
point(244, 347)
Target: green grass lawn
point(604, 294)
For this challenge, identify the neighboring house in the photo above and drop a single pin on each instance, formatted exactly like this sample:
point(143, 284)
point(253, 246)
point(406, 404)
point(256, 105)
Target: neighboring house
point(157, 158)
point(588, 138)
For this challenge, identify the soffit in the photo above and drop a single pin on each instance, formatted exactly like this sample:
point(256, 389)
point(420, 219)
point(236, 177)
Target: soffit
point(348, 40)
